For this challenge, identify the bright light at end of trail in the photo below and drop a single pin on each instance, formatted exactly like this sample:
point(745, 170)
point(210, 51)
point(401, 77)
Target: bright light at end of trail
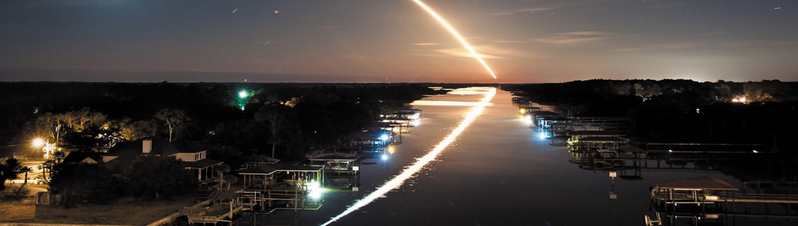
point(456, 35)
point(398, 180)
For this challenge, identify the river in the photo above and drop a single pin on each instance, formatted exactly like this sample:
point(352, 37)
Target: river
point(498, 172)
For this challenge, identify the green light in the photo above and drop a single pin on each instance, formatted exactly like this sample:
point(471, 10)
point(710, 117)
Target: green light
point(243, 98)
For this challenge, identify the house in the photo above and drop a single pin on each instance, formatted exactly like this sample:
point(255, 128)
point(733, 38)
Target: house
point(195, 161)
point(83, 157)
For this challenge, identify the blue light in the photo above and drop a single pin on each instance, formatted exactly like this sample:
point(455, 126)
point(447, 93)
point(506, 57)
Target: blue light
point(385, 137)
point(384, 157)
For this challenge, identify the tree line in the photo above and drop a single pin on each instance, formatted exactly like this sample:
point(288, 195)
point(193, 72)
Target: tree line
point(235, 122)
point(683, 110)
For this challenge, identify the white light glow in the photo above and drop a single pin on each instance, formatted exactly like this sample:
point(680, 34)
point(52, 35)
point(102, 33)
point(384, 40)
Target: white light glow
point(398, 180)
point(527, 119)
point(456, 35)
point(315, 194)
point(447, 103)
point(415, 122)
point(313, 185)
point(38, 142)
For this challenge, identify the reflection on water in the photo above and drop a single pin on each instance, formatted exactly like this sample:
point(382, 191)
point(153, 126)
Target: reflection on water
point(500, 172)
point(398, 180)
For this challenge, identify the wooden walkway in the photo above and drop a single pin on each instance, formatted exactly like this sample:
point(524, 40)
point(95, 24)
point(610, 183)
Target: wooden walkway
point(737, 198)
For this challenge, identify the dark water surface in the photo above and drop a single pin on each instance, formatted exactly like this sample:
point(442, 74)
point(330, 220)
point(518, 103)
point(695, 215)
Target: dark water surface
point(498, 172)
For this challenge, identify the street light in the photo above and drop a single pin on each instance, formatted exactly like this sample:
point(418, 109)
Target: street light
point(38, 142)
point(45, 146)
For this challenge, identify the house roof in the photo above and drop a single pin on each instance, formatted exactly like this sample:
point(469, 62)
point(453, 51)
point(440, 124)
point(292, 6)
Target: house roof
point(702, 182)
point(280, 167)
point(133, 148)
point(77, 157)
point(159, 147)
point(202, 164)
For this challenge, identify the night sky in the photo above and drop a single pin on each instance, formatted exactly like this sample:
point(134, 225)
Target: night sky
point(524, 41)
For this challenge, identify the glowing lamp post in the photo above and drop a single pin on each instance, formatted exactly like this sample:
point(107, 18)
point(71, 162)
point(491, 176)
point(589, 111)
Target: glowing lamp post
point(45, 145)
point(48, 148)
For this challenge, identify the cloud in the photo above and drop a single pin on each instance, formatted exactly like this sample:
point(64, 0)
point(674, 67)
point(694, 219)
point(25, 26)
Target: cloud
point(656, 47)
point(426, 44)
point(752, 43)
point(525, 10)
point(575, 37)
point(591, 5)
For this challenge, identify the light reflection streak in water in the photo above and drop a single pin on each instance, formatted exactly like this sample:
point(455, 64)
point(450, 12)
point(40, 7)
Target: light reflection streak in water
point(398, 180)
point(448, 103)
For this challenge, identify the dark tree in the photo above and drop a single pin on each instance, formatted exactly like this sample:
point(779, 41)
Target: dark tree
point(79, 183)
point(277, 117)
point(155, 177)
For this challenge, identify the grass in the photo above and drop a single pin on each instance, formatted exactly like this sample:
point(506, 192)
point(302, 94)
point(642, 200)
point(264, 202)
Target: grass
point(124, 211)
point(18, 204)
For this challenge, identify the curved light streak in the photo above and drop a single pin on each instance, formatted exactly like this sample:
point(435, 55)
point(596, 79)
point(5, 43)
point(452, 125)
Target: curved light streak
point(446, 103)
point(456, 35)
point(398, 180)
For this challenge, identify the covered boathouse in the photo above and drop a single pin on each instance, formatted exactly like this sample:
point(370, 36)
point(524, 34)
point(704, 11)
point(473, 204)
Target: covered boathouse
point(284, 186)
point(695, 190)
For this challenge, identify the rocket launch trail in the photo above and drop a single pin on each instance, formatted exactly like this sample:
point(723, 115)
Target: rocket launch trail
point(456, 35)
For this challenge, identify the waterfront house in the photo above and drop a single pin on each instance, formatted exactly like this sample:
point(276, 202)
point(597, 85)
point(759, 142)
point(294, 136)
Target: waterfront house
point(195, 161)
